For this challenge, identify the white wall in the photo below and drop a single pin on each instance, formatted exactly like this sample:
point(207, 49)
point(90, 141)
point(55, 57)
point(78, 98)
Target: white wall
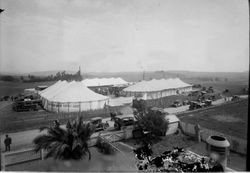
point(236, 144)
point(75, 107)
point(158, 94)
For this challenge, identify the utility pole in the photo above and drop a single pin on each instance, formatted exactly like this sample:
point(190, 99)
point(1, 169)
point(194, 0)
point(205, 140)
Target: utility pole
point(1, 10)
point(143, 75)
point(0, 153)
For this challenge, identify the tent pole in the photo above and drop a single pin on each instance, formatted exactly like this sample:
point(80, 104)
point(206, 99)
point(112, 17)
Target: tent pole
point(79, 107)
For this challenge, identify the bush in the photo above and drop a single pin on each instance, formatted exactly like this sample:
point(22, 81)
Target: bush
point(7, 78)
point(139, 105)
point(153, 121)
point(104, 147)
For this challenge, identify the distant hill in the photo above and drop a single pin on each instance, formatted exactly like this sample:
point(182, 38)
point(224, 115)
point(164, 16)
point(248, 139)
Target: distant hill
point(137, 76)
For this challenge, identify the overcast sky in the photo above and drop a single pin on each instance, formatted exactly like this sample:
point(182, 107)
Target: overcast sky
point(124, 35)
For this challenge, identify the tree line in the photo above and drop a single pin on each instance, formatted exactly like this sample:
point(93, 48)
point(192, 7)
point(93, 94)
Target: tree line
point(32, 78)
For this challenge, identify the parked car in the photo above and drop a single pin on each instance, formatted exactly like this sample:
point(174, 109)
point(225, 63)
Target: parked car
point(186, 102)
point(176, 104)
point(26, 105)
point(99, 125)
point(6, 98)
point(196, 105)
point(235, 98)
point(124, 120)
point(200, 104)
point(156, 109)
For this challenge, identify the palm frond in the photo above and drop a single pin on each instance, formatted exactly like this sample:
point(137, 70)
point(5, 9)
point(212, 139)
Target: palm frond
point(71, 143)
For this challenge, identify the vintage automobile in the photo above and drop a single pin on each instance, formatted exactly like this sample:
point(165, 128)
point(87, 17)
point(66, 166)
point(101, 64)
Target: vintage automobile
point(99, 125)
point(208, 102)
point(156, 109)
point(235, 98)
point(124, 120)
point(196, 105)
point(176, 103)
point(200, 104)
point(26, 105)
point(186, 102)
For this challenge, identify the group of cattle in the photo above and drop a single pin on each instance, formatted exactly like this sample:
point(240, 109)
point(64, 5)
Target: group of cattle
point(176, 160)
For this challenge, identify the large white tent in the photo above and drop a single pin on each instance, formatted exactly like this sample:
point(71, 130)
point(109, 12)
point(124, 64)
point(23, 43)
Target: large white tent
point(155, 89)
point(56, 90)
point(97, 82)
point(72, 97)
point(49, 88)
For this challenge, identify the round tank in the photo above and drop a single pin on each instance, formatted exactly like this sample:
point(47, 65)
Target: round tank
point(219, 146)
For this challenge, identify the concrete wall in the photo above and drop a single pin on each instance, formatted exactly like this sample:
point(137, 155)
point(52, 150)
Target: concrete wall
point(236, 144)
point(15, 157)
point(172, 128)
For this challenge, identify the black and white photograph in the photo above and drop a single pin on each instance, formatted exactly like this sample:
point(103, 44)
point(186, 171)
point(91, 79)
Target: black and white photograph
point(124, 85)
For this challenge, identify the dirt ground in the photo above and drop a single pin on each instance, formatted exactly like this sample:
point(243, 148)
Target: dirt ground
point(11, 121)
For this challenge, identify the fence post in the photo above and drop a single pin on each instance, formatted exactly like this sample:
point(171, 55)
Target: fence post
point(2, 162)
point(0, 153)
point(42, 154)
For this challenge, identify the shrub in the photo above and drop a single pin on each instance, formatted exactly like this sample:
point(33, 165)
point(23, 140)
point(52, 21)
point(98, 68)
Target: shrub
point(153, 121)
point(8, 78)
point(104, 147)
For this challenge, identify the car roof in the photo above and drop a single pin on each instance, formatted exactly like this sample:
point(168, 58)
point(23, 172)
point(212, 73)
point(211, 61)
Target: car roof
point(96, 118)
point(125, 116)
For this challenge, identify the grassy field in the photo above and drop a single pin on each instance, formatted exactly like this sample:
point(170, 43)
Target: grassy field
point(229, 118)
point(235, 87)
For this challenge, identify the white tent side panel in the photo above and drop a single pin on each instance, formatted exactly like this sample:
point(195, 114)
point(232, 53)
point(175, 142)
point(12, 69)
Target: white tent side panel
point(156, 89)
point(75, 97)
point(76, 107)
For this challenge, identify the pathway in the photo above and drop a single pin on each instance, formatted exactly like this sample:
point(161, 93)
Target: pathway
point(180, 109)
point(23, 139)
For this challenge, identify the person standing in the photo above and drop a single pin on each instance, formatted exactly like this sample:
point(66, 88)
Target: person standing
point(7, 143)
point(197, 129)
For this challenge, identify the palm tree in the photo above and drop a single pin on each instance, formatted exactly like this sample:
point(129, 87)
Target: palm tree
point(66, 144)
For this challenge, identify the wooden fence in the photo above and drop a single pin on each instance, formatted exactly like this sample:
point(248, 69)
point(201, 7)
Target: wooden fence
point(237, 145)
point(16, 157)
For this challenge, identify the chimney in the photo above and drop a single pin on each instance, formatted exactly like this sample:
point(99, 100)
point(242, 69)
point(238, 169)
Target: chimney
point(218, 145)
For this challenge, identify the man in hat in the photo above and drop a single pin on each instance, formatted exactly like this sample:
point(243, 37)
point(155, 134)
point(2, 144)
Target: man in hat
point(7, 143)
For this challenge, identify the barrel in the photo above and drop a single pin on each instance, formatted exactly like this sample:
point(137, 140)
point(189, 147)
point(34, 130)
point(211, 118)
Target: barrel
point(218, 145)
